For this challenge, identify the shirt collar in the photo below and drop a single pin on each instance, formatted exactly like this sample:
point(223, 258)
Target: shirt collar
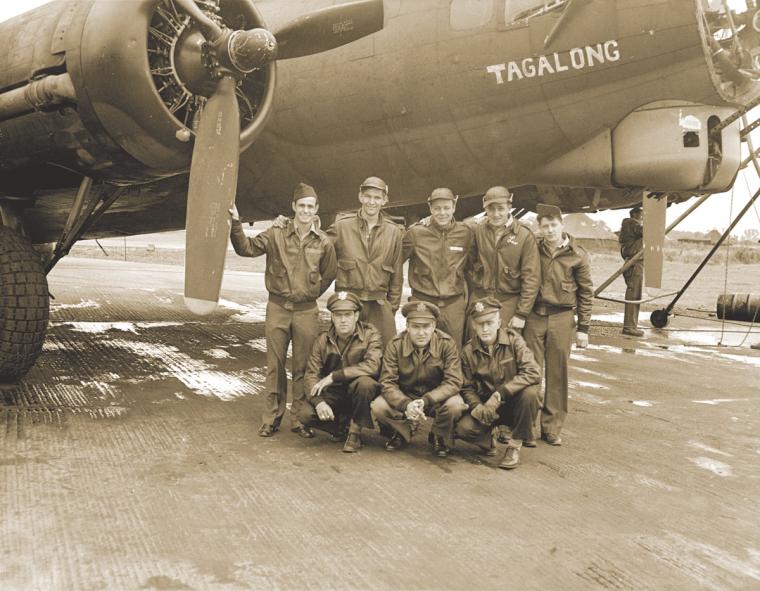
point(292, 228)
point(567, 243)
point(381, 217)
point(359, 332)
point(438, 228)
point(501, 339)
point(407, 347)
point(510, 226)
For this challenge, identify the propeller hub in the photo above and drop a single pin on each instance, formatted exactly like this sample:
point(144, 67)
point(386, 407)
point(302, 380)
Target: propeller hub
point(190, 65)
point(251, 49)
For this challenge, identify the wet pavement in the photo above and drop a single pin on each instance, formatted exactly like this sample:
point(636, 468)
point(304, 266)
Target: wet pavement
point(129, 460)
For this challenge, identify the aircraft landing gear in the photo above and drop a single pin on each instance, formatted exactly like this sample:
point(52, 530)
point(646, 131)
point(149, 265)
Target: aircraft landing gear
point(659, 318)
point(24, 305)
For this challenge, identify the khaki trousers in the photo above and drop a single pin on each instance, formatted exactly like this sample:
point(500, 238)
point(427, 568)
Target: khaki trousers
point(550, 338)
point(379, 314)
point(517, 412)
point(349, 402)
point(446, 415)
point(283, 326)
point(634, 280)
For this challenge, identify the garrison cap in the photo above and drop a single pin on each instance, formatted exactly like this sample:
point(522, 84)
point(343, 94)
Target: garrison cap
point(302, 191)
point(544, 210)
point(484, 306)
point(442, 193)
point(497, 195)
point(420, 310)
point(374, 182)
point(344, 300)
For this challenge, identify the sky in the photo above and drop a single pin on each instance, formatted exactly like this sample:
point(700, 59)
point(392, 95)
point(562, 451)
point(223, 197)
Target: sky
point(715, 213)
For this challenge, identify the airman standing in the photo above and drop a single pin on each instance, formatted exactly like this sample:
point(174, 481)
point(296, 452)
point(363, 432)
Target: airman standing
point(631, 242)
point(300, 266)
point(421, 377)
point(504, 263)
point(341, 378)
point(368, 247)
point(566, 288)
point(437, 252)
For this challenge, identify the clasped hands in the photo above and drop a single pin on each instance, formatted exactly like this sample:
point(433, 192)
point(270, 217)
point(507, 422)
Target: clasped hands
point(415, 411)
point(487, 412)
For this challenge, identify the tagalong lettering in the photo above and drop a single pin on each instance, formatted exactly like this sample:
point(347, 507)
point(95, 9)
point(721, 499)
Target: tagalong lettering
point(578, 58)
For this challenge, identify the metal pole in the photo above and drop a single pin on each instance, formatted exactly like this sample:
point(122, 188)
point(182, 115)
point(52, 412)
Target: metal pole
point(715, 248)
point(639, 255)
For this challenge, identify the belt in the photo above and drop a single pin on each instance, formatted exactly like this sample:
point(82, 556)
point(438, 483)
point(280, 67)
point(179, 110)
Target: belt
point(367, 296)
point(440, 302)
point(478, 294)
point(543, 309)
point(289, 305)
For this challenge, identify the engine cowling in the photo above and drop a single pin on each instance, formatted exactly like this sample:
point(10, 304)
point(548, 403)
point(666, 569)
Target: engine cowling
point(141, 74)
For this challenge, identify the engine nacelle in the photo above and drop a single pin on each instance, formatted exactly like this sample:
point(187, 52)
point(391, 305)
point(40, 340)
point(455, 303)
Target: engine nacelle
point(666, 146)
point(672, 148)
point(138, 73)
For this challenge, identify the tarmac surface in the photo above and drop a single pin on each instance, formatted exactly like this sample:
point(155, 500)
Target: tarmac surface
point(129, 460)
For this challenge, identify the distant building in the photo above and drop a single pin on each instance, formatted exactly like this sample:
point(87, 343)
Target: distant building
point(697, 237)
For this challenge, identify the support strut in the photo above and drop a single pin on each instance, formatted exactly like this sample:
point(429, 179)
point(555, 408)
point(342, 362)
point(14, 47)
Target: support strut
point(85, 211)
point(659, 318)
point(639, 255)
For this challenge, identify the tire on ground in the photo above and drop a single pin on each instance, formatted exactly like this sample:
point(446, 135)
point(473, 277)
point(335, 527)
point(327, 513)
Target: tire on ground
point(24, 306)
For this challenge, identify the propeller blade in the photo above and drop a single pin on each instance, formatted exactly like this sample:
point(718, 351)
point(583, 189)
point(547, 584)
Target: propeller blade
point(329, 28)
point(655, 210)
point(211, 193)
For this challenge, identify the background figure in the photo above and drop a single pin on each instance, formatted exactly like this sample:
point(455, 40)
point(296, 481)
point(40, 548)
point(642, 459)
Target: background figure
point(438, 250)
point(631, 243)
point(300, 267)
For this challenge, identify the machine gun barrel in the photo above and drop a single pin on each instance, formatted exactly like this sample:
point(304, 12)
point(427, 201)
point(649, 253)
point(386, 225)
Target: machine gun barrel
point(37, 95)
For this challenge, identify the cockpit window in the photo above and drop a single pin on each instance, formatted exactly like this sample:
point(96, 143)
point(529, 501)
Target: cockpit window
point(471, 14)
point(521, 10)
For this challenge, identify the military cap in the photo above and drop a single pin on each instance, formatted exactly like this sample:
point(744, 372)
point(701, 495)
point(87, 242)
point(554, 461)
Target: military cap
point(635, 209)
point(484, 306)
point(497, 195)
point(302, 191)
point(442, 193)
point(374, 182)
point(420, 310)
point(544, 210)
point(344, 300)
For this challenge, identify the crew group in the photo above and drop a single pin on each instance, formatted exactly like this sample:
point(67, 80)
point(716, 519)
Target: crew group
point(476, 369)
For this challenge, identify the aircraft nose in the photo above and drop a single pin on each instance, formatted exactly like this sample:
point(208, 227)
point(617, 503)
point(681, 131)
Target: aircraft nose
point(733, 35)
point(750, 37)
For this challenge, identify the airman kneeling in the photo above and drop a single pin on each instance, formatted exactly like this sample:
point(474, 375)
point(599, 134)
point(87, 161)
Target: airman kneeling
point(501, 384)
point(341, 376)
point(421, 374)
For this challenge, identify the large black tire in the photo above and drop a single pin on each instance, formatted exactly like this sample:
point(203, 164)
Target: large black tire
point(24, 306)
